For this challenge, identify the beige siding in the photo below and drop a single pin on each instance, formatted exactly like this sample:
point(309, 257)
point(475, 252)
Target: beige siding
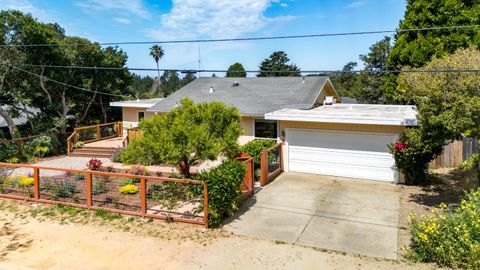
point(341, 127)
point(248, 133)
point(129, 116)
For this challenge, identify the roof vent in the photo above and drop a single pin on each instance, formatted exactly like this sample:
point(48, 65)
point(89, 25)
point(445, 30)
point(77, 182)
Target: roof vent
point(235, 84)
point(303, 79)
point(329, 100)
point(211, 89)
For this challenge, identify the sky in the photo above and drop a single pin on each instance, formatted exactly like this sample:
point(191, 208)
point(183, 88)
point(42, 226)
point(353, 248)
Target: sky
point(149, 20)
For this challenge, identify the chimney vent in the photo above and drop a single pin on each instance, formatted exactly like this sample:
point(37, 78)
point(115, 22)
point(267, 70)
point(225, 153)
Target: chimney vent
point(329, 100)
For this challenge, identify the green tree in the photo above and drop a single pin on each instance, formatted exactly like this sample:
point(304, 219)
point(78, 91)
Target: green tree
point(188, 134)
point(236, 70)
point(376, 59)
point(448, 106)
point(415, 49)
point(58, 103)
point(277, 66)
point(366, 87)
point(170, 82)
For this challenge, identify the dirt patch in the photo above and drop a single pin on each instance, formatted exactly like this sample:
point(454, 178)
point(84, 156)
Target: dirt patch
point(108, 241)
point(445, 185)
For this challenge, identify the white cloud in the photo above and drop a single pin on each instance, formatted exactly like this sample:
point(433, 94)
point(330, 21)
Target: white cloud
point(135, 7)
point(122, 20)
point(26, 7)
point(284, 5)
point(357, 4)
point(214, 18)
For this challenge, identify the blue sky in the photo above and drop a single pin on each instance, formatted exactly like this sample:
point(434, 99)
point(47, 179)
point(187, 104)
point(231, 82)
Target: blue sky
point(148, 20)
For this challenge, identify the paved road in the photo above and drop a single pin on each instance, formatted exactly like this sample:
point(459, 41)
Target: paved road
point(354, 216)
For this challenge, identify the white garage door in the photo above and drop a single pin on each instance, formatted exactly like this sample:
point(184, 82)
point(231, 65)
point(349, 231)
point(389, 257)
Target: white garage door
point(346, 154)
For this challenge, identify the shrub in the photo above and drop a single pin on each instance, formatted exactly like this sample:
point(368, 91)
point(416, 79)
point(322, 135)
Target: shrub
point(138, 170)
point(9, 151)
point(26, 182)
point(117, 154)
point(79, 145)
point(99, 187)
point(65, 189)
point(449, 237)
point(254, 148)
point(471, 163)
point(129, 189)
point(79, 176)
point(38, 147)
point(94, 164)
point(223, 183)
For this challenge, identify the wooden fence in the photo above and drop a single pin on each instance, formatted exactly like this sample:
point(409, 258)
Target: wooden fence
point(271, 164)
point(94, 133)
point(249, 178)
point(455, 153)
point(181, 200)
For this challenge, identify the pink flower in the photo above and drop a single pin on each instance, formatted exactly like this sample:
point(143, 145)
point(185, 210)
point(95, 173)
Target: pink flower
point(400, 146)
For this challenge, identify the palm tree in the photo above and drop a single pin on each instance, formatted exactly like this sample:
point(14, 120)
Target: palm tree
point(156, 52)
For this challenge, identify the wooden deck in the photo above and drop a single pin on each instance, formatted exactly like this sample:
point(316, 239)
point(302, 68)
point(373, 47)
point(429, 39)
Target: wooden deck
point(99, 149)
point(107, 144)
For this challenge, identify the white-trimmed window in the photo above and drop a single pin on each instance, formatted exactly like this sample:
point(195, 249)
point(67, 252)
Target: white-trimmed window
point(267, 129)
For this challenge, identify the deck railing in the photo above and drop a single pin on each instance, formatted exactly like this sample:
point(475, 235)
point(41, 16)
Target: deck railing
point(94, 133)
point(271, 163)
point(181, 200)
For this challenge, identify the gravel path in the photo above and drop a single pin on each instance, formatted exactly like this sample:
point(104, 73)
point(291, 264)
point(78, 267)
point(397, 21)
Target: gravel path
point(66, 162)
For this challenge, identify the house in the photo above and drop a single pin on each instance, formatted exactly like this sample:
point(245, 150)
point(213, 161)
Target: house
point(21, 118)
point(133, 111)
point(321, 135)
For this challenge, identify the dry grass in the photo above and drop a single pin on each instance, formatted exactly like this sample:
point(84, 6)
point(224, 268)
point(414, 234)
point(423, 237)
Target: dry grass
point(112, 221)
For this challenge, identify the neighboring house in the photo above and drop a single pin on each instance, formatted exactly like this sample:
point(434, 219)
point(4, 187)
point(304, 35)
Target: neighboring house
point(321, 134)
point(21, 119)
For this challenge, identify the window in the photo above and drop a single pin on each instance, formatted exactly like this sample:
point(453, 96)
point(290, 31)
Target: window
point(266, 129)
point(140, 116)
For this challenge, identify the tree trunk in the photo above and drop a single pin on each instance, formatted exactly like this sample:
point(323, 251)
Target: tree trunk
point(12, 128)
point(185, 168)
point(104, 110)
point(64, 114)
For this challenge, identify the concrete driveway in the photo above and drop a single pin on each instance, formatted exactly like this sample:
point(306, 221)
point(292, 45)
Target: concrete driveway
point(353, 216)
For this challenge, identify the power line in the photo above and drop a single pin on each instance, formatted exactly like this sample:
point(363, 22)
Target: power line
point(265, 71)
point(66, 84)
point(248, 38)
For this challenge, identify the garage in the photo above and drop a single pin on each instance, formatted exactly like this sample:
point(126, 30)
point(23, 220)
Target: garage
point(344, 140)
point(341, 153)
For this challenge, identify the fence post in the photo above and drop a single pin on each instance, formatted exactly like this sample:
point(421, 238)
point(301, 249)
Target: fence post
point(75, 137)
point(280, 153)
point(205, 203)
point(98, 133)
point(143, 197)
point(120, 129)
point(88, 191)
point(263, 167)
point(36, 184)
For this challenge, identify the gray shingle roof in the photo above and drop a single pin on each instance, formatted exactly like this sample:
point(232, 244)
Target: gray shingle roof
point(252, 96)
